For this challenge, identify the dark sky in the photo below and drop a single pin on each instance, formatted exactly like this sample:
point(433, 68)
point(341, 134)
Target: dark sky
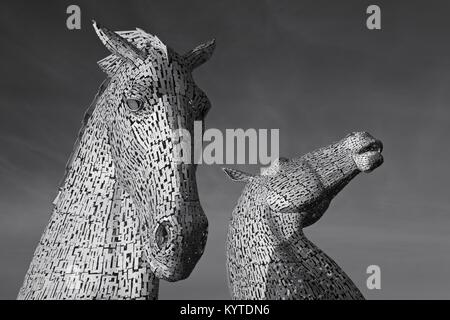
point(309, 68)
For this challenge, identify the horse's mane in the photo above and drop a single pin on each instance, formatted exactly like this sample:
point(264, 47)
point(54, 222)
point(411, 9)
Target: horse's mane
point(142, 40)
point(84, 122)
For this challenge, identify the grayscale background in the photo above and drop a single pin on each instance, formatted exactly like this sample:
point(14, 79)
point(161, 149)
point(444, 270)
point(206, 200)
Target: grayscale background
point(310, 68)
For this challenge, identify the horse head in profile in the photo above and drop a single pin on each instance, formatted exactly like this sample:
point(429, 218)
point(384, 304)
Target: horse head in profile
point(269, 256)
point(127, 212)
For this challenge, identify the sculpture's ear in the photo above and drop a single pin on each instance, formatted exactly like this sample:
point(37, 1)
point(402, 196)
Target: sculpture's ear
point(200, 54)
point(237, 175)
point(118, 45)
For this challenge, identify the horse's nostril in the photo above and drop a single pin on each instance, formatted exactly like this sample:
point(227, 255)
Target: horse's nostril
point(162, 235)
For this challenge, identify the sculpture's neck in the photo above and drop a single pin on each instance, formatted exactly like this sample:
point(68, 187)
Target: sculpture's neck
point(279, 235)
point(334, 166)
point(92, 248)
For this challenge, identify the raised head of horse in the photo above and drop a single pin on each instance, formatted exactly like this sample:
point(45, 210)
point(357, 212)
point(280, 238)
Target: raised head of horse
point(268, 255)
point(127, 214)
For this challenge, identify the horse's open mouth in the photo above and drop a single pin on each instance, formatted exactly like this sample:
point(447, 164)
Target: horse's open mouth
point(374, 146)
point(369, 157)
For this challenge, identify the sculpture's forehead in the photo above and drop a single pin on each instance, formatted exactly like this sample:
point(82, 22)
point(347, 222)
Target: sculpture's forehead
point(166, 59)
point(159, 55)
point(169, 75)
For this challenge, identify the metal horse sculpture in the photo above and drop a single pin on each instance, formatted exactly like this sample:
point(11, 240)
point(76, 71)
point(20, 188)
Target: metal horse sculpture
point(127, 214)
point(268, 255)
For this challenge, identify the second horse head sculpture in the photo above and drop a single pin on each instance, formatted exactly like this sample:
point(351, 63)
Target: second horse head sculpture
point(268, 255)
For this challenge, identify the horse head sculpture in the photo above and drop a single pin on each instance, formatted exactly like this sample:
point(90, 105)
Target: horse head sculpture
point(127, 213)
point(269, 256)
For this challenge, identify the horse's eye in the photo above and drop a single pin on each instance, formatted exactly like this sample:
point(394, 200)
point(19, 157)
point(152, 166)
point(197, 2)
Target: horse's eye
point(134, 105)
